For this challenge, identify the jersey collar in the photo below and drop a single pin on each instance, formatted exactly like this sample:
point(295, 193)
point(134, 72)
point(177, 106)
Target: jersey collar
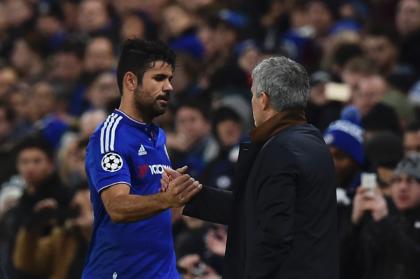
point(151, 130)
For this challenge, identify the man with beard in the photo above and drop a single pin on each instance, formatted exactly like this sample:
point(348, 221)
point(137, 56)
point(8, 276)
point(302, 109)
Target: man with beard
point(132, 236)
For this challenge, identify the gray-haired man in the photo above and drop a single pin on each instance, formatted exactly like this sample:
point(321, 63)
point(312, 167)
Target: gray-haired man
point(282, 211)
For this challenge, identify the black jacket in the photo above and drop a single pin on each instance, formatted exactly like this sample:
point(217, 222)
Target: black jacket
point(387, 249)
point(282, 211)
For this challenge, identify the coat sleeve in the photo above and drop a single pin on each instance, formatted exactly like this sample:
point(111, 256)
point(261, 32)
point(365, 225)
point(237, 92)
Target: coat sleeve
point(212, 205)
point(275, 209)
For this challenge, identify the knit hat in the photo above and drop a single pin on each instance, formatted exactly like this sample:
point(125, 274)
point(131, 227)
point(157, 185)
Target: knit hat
point(410, 166)
point(348, 137)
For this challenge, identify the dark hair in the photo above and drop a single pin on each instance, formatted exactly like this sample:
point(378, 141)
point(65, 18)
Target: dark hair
point(196, 104)
point(224, 114)
point(413, 127)
point(346, 51)
point(35, 142)
point(138, 55)
point(36, 43)
point(384, 31)
point(10, 114)
point(72, 45)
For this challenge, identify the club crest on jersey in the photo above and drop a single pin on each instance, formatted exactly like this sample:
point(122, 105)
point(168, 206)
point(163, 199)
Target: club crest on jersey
point(111, 162)
point(142, 151)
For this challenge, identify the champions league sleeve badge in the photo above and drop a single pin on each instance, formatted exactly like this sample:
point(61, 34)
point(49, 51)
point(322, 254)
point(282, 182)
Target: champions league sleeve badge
point(111, 162)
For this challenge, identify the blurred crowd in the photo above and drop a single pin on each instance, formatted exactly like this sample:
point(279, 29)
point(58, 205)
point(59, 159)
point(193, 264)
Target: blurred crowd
point(57, 83)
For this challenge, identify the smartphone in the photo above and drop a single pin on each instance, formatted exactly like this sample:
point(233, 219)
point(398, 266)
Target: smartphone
point(337, 91)
point(369, 181)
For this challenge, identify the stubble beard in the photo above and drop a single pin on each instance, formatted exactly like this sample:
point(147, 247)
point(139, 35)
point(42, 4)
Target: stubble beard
point(148, 111)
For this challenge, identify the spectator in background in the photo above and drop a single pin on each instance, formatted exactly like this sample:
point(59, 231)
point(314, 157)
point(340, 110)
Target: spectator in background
point(227, 129)
point(89, 121)
point(60, 254)
point(28, 57)
point(321, 111)
point(99, 55)
point(345, 141)
point(7, 142)
point(18, 98)
point(366, 100)
point(179, 28)
point(385, 243)
point(191, 143)
point(383, 152)
point(133, 26)
point(185, 81)
point(94, 19)
point(8, 78)
point(407, 19)
point(382, 49)
point(412, 138)
point(407, 22)
point(103, 91)
point(67, 66)
point(35, 164)
point(50, 119)
point(98, 58)
point(298, 42)
point(191, 240)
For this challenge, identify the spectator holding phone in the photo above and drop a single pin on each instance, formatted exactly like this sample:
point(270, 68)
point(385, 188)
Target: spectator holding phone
point(385, 243)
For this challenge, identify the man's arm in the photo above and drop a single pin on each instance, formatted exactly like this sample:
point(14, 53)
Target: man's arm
point(125, 207)
point(274, 236)
point(212, 205)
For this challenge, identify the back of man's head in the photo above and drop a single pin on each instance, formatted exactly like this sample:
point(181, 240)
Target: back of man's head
point(138, 55)
point(285, 81)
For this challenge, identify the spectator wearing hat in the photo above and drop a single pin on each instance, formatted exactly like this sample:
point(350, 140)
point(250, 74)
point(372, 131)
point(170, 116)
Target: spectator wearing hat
point(345, 140)
point(385, 243)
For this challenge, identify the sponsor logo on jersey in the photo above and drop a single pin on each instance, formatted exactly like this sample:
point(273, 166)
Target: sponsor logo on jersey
point(153, 169)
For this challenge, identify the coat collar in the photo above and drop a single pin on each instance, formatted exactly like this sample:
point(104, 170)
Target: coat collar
point(277, 123)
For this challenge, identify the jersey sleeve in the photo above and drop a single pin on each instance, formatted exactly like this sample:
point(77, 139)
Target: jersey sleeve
point(106, 168)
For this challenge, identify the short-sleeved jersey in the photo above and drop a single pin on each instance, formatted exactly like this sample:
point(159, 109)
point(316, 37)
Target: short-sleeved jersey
point(122, 150)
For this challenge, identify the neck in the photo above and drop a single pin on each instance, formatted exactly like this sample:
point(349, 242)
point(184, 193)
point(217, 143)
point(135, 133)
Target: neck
point(277, 122)
point(129, 108)
point(269, 114)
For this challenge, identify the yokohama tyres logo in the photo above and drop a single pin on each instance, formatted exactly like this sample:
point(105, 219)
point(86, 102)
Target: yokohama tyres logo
point(154, 169)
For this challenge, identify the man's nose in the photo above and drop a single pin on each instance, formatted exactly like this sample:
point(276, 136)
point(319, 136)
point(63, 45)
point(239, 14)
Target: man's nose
point(168, 86)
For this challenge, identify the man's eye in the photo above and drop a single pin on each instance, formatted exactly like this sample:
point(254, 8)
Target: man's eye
point(159, 78)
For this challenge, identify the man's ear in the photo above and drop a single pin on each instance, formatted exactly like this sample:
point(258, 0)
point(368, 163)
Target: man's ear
point(130, 81)
point(264, 100)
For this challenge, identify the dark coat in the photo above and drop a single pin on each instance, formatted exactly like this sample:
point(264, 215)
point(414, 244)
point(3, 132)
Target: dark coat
point(282, 212)
point(386, 249)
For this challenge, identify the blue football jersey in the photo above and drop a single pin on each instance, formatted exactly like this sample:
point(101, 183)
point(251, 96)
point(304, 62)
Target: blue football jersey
point(123, 150)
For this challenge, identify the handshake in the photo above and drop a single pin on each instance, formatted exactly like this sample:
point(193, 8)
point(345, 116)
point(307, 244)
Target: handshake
point(177, 187)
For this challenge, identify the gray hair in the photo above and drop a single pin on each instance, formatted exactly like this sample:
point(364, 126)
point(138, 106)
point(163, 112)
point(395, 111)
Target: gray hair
point(285, 82)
